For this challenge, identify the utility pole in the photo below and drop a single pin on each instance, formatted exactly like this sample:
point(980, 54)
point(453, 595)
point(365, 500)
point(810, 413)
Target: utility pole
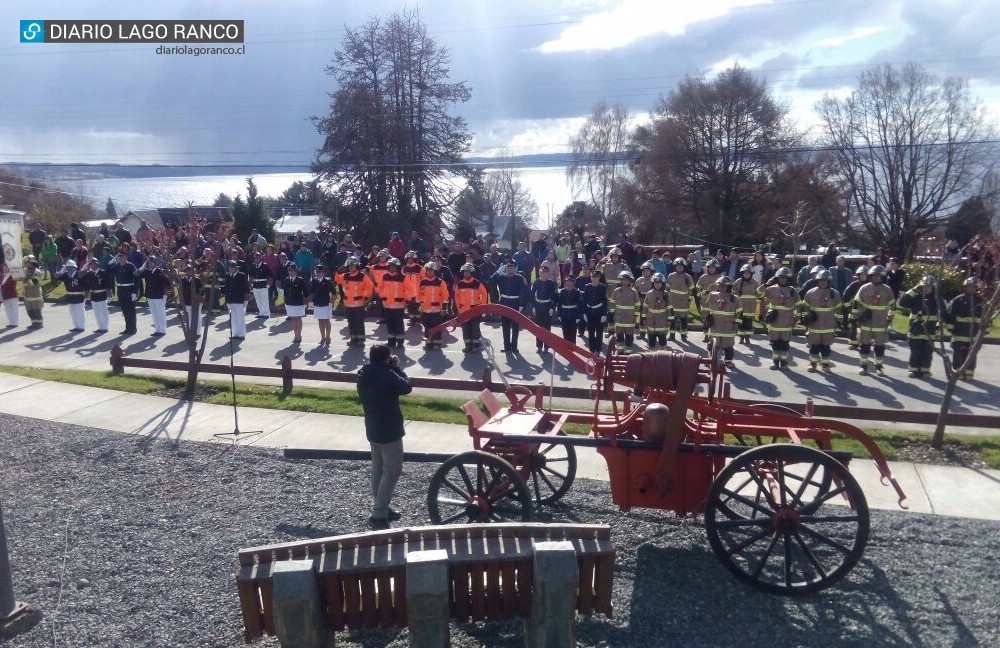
point(12, 612)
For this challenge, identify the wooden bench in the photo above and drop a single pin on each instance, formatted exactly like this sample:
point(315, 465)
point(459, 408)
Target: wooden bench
point(361, 578)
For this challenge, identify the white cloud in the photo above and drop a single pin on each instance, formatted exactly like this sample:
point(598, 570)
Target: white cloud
point(633, 20)
point(856, 34)
point(526, 136)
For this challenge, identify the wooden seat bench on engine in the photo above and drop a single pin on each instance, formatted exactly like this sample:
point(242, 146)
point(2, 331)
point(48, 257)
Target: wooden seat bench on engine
point(361, 578)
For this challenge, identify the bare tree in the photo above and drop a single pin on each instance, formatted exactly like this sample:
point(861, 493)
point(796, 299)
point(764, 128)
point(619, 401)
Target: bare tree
point(599, 163)
point(509, 197)
point(909, 145)
point(797, 225)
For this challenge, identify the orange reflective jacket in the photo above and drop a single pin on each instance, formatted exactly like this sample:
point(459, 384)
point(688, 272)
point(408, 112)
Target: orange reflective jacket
point(376, 271)
point(432, 295)
point(357, 288)
point(413, 272)
point(394, 290)
point(468, 293)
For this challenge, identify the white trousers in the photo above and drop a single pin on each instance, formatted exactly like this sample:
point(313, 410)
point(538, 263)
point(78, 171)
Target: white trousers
point(76, 315)
point(238, 319)
point(11, 308)
point(197, 318)
point(158, 311)
point(100, 314)
point(260, 298)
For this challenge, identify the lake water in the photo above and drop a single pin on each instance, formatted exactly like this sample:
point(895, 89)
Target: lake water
point(547, 186)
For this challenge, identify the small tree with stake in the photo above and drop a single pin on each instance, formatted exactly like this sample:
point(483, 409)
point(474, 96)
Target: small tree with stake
point(986, 306)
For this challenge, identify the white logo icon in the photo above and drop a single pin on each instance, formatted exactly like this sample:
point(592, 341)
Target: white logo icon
point(33, 30)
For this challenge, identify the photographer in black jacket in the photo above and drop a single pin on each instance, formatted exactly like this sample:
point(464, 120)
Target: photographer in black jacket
point(380, 384)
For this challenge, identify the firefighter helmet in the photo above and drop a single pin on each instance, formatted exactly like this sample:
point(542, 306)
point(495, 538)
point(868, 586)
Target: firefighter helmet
point(823, 274)
point(680, 261)
point(746, 268)
point(659, 277)
point(877, 270)
point(784, 271)
point(625, 274)
point(468, 267)
point(862, 270)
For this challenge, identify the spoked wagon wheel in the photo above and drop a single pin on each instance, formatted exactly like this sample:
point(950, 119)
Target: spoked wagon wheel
point(553, 469)
point(774, 522)
point(477, 487)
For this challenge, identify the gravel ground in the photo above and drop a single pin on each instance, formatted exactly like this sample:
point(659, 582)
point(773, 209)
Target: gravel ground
point(124, 542)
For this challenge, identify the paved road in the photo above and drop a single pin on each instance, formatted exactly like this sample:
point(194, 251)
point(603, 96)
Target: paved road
point(268, 342)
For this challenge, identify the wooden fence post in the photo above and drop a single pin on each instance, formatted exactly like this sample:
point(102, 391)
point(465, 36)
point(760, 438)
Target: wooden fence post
point(286, 374)
point(117, 366)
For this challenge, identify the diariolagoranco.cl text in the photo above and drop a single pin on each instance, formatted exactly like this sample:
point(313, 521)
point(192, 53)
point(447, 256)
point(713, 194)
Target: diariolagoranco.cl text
point(185, 50)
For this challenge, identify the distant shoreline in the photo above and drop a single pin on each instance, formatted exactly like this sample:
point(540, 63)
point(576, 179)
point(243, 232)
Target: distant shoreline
point(82, 171)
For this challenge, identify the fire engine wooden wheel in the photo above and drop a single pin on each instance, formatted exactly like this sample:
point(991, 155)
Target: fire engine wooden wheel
point(477, 487)
point(553, 469)
point(774, 521)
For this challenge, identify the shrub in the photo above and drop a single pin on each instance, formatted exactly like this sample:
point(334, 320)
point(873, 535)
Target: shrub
point(949, 277)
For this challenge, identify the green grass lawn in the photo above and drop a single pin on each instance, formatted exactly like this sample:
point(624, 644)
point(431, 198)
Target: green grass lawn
point(421, 408)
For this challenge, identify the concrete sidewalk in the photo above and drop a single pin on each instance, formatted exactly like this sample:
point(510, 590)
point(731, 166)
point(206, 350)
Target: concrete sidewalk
point(943, 490)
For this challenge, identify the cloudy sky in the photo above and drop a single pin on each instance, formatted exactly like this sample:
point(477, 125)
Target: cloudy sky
point(535, 68)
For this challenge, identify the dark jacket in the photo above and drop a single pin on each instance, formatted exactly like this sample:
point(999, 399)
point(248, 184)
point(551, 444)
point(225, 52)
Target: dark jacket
point(379, 387)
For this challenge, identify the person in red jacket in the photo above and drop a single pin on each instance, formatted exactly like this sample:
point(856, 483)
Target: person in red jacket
point(396, 246)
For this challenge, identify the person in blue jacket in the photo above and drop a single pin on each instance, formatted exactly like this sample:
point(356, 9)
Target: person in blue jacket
point(380, 384)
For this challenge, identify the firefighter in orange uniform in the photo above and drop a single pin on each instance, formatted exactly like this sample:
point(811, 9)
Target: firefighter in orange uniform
point(413, 272)
point(357, 289)
point(375, 272)
point(394, 290)
point(432, 296)
point(470, 292)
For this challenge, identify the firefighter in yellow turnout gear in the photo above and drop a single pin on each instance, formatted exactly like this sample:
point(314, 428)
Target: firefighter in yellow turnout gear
point(656, 313)
point(723, 311)
point(819, 314)
point(780, 298)
point(627, 310)
point(745, 288)
point(873, 308)
point(680, 286)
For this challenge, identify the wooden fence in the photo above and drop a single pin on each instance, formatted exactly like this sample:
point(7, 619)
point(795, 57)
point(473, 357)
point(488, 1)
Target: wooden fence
point(288, 375)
